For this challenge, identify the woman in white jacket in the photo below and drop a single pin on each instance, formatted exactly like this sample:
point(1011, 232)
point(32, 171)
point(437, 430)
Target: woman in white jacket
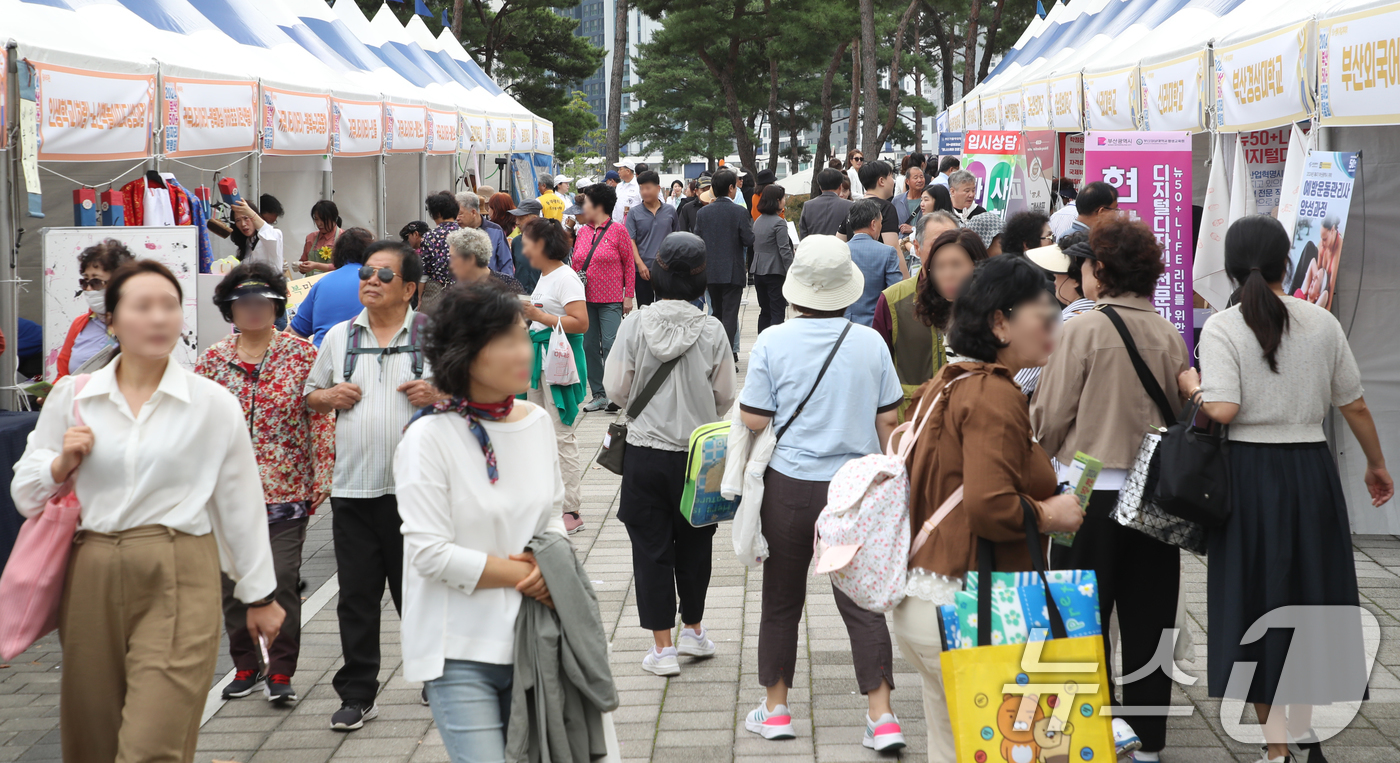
point(475, 483)
point(668, 555)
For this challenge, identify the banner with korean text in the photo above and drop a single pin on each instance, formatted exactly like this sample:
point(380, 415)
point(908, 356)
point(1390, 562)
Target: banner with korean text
point(1067, 103)
point(522, 134)
point(1035, 105)
point(358, 127)
point(972, 114)
point(1041, 168)
point(1265, 152)
point(544, 137)
point(1011, 110)
point(1074, 157)
point(405, 128)
point(205, 117)
point(1110, 100)
point(998, 161)
point(497, 134)
point(441, 129)
point(1171, 94)
point(1152, 172)
point(955, 118)
point(87, 116)
point(1328, 180)
point(473, 132)
point(295, 123)
point(1358, 67)
point(1263, 82)
point(991, 112)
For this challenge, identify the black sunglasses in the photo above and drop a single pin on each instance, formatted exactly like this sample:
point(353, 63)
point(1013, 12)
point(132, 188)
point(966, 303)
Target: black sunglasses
point(386, 275)
point(93, 283)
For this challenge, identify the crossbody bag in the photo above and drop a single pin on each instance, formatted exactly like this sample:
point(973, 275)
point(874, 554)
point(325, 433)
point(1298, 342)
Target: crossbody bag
point(615, 443)
point(597, 239)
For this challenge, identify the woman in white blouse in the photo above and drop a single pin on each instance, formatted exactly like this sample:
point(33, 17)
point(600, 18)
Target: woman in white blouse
point(166, 475)
point(475, 483)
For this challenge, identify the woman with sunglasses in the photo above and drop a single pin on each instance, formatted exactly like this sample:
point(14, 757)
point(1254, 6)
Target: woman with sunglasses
point(855, 159)
point(1091, 399)
point(89, 335)
point(266, 370)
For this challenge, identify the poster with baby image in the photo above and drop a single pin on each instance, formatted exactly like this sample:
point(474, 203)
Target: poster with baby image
point(1328, 180)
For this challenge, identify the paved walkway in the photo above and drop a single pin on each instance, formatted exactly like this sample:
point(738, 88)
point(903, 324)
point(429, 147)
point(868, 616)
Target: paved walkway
point(694, 718)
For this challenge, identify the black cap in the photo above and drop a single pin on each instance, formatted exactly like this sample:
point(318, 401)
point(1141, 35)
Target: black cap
point(681, 253)
point(1081, 249)
point(767, 177)
point(417, 226)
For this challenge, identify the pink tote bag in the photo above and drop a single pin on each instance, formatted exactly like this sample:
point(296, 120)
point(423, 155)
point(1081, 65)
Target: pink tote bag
point(32, 583)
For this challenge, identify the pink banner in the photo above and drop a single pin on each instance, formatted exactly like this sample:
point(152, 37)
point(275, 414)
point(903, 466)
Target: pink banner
point(1152, 172)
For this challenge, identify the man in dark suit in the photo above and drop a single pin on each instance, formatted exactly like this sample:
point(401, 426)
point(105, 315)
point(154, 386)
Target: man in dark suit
point(823, 214)
point(727, 229)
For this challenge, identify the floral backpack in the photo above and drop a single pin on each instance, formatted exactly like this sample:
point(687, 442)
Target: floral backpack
point(863, 533)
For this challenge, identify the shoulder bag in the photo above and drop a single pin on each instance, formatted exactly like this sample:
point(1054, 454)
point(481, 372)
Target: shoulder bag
point(597, 239)
point(1179, 483)
point(615, 443)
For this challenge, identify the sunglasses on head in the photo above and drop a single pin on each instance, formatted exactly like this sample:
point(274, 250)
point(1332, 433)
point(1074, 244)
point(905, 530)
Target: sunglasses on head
point(92, 283)
point(386, 275)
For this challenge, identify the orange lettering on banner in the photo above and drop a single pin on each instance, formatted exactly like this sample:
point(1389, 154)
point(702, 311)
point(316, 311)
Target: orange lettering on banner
point(1035, 105)
point(1371, 64)
point(1257, 81)
point(1064, 103)
point(1107, 101)
point(94, 115)
point(302, 122)
point(446, 131)
point(214, 117)
point(476, 132)
point(362, 129)
point(408, 129)
point(1012, 111)
point(1171, 97)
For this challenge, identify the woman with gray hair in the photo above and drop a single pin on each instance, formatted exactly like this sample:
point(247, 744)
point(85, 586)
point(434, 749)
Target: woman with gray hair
point(471, 259)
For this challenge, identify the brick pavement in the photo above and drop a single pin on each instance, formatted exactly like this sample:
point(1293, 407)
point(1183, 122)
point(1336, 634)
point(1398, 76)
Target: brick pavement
point(694, 718)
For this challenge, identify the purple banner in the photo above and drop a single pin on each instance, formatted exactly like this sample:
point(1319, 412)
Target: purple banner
point(1152, 172)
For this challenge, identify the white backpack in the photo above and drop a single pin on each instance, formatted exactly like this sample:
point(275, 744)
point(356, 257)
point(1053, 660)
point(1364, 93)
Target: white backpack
point(863, 533)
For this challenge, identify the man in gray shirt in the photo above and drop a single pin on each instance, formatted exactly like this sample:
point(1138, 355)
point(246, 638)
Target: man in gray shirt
point(647, 225)
point(823, 215)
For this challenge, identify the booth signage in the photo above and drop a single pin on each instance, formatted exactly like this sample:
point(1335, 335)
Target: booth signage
point(1171, 94)
point(1110, 100)
point(1067, 103)
point(92, 116)
point(405, 128)
point(474, 131)
point(1328, 180)
point(1263, 82)
point(998, 161)
point(1358, 67)
point(442, 131)
point(358, 127)
point(209, 116)
point(295, 123)
point(1011, 117)
point(1036, 105)
point(1265, 152)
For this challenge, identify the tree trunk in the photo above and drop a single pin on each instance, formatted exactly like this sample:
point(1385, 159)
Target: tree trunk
point(893, 117)
point(793, 131)
point(824, 133)
point(991, 43)
point(918, 86)
point(970, 46)
point(743, 137)
point(870, 73)
point(772, 113)
point(852, 121)
point(945, 53)
point(619, 65)
point(458, 7)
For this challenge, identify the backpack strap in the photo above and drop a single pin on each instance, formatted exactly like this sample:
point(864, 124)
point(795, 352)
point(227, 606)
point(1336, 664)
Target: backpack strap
point(354, 349)
point(907, 445)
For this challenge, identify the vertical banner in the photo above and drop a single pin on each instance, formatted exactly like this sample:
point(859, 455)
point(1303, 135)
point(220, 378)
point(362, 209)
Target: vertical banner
point(998, 161)
point(991, 112)
point(473, 132)
point(357, 129)
point(86, 116)
point(1067, 103)
point(205, 117)
point(1074, 157)
point(955, 118)
point(544, 137)
point(1264, 153)
point(1040, 169)
point(405, 128)
point(1011, 117)
point(4, 97)
point(441, 129)
point(523, 133)
point(1328, 179)
point(1035, 105)
point(1152, 172)
point(295, 123)
point(497, 134)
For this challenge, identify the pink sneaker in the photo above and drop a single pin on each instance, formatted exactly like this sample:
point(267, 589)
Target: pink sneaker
point(572, 522)
point(774, 725)
point(883, 735)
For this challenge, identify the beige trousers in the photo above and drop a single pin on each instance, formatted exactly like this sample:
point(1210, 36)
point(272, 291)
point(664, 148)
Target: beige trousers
point(139, 623)
point(570, 466)
point(916, 631)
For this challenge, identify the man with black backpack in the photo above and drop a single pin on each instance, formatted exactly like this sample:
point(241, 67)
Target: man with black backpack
point(371, 371)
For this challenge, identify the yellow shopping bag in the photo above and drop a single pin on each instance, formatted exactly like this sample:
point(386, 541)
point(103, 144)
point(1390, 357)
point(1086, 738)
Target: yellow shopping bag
point(1043, 701)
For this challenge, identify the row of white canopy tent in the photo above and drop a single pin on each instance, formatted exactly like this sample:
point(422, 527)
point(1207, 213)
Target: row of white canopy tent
point(1226, 67)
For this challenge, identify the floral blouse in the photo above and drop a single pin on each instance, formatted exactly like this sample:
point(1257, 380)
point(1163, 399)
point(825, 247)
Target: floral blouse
point(435, 254)
point(295, 446)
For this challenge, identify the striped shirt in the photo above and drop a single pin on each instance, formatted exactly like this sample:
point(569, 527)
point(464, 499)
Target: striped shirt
point(367, 434)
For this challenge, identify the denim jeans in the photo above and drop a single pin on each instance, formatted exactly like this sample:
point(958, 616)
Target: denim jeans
point(603, 320)
point(471, 704)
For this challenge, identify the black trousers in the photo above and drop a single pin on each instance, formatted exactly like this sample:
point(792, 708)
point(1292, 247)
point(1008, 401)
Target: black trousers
point(287, 538)
point(772, 306)
point(669, 557)
point(724, 300)
point(1140, 576)
point(368, 554)
point(645, 295)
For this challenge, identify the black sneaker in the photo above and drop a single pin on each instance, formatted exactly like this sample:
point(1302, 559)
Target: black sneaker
point(613, 407)
point(278, 689)
point(243, 684)
point(424, 696)
point(352, 715)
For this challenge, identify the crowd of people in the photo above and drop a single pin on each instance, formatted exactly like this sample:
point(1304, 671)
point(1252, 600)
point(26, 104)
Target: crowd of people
point(430, 389)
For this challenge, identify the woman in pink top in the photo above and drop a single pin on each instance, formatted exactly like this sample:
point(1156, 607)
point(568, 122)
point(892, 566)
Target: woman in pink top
point(327, 218)
point(610, 272)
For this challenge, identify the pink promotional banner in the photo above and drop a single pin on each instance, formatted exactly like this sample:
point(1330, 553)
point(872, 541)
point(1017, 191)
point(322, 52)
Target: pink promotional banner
point(1152, 172)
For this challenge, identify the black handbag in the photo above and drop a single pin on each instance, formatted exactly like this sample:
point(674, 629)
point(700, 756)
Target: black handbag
point(1189, 475)
point(614, 448)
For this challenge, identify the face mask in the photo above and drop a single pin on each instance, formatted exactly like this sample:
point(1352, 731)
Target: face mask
point(96, 300)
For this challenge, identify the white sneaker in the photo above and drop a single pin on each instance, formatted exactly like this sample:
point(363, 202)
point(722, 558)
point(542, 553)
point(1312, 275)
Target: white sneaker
point(694, 644)
point(662, 663)
point(884, 734)
point(1124, 738)
point(774, 725)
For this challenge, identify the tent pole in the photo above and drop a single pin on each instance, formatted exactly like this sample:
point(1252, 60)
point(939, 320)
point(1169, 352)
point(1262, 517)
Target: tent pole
point(9, 256)
point(255, 178)
point(328, 183)
point(379, 207)
point(423, 186)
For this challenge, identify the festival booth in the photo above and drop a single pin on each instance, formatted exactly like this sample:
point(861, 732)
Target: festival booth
point(1261, 91)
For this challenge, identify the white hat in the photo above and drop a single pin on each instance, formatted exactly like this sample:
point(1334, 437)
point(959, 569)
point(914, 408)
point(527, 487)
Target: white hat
point(822, 275)
point(1049, 258)
point(627, 162)
point(559, 179)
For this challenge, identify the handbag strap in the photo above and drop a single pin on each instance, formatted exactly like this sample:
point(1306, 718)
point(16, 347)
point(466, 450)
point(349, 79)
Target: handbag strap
point(818, 382)
point(986, 564)
point(597, 238)
point(653, 384)
point(1149, 382)
point(905, 446)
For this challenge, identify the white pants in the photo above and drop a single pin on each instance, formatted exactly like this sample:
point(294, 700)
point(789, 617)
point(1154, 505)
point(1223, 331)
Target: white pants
point(569, 467)
point(916, 631)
